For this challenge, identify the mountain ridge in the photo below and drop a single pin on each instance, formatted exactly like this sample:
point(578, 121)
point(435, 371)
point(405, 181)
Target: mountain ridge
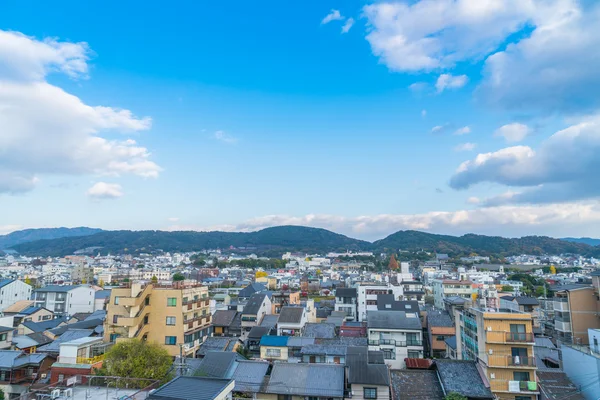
point(29, 235)
point(275, 240)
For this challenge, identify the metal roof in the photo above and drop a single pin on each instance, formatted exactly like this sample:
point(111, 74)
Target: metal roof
point(254, 304)
point(44, 325)
point(274, 341)
point(319, 349)
point(56, 288)
point(415, 384)
point(311, 380)
point(215, 343)
point(249, 375)
point(5, 282)
point(451, 342)
point(191, 388)
point(258, 332)
point(217, 364)
point(223, 317)
point(319, 330)
point(365, 368)
point(269, 320)
point(346, 292)
point(556, 385)
point(71, 334)
point(392, 320)
point(436, 318)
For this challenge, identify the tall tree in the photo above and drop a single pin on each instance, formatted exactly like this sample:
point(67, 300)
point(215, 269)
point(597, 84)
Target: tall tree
point(137, 359)
point(393, 265)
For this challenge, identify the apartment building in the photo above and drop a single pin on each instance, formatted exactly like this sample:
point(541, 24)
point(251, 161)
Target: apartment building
point(346, 300)
point(257, 307)
point(443, 288)
point(65, 300)
point(82, 273)
point(11, 291)
point(503, 345)
point(175, 315)
point(397, 334)
point(367, 297)
point(576, 309)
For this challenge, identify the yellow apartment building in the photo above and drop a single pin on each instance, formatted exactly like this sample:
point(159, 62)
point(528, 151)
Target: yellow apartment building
point(176, 316)
point(502, 343)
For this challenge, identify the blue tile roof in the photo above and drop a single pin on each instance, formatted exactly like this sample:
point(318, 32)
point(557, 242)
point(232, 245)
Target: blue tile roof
point(5, 282)
point(275, 341)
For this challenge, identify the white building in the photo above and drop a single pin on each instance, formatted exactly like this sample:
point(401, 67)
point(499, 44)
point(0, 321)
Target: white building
point(367, 297)
point(65, 300)
point(443, 288)
point(11, 291)
point(397, 334)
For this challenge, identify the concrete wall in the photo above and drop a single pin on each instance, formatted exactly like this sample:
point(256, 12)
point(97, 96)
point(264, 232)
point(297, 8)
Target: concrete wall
point(583, 369)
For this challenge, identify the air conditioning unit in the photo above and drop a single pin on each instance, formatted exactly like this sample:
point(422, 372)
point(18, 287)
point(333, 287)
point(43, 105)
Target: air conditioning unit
point(68, 393)
point(55, 394)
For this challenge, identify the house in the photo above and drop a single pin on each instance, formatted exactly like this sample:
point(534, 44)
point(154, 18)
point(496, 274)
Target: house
point(251, 289)
point(291, 321)
point(26, 328)
point(218, 343)
point(282, 299)
point(6, 336)
point(415, 384)
point(65, 300)
point(367, 374)
point(18, 370)
point(257, 307)
point(194, 388)
point(455, 303)
point(274, 348)
point(101, 299)
point(17, 307)
point(226, 323)
point(367, 297)
point(29, 343)
point(32, 313)
point(82, 356)
point(396, 334)
point(218, 364)
point(346, 300)
point(254, 337)
point(439, 328)
point(11, 291)
point(451, 348)
point(323, 354)
point(300, 381)
point(443, 288)
point(249, 377)
point(53, 347)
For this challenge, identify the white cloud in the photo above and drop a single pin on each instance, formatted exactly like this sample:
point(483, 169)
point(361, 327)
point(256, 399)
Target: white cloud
point(551, 219)
point(423, 113)
point(439, 129)
point(465, 147)
point(47, 131)
point(103, 190)
point(418, 87)
point(513, 133)
point(465, 130)
point(563, 168)
point(555, 67)
point(473, 200)
point(334, 15)
point(433, 34)
point(221, 136)
point(347, 25)
point(448, 81)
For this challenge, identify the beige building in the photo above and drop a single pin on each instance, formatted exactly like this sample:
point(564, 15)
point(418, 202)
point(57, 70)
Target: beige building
point(502, 344)
point(82, 273)
point(177, 316)
point(576, 309)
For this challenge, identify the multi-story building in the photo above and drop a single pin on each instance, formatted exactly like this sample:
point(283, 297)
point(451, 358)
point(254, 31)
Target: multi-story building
point(282, 299)
point(443, 288)
point(439, 328)
point(346, 300)
point(367, 297)
point(257, 307)
point(11, 291)
point(397, 334)
point(576, 309)
point(503, 345)
point(65, 300)
point(175, 315)
point(82, 273)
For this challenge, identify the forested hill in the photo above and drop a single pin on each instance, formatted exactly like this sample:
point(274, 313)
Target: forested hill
point(273, 241)
point(30, 235)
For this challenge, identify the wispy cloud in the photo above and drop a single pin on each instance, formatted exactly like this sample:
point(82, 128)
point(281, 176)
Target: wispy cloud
point(439, 129)
point(423, 113)
point(513, 133)
point(334, 15)
point(348, 25)
point(465, 147)
point(221, 136)
point(465, 130)
point(448, 81)
point(103, 191)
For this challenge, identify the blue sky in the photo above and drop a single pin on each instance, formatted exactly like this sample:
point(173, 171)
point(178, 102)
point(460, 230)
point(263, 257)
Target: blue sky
point(261, 114)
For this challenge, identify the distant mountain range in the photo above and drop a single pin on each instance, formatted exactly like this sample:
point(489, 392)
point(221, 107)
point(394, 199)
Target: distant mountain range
point(273, 241)
point(31, 235)
point(584, 240)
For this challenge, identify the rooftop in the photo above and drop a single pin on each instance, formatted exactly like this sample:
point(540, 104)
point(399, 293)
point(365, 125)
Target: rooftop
point(309, 380)
point(391, 320)
point(192, 388)
point(463, 378)
point(290, 315)
point(414, 384)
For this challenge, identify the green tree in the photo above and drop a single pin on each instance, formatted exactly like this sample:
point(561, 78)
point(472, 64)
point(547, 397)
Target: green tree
point(507, 288)
point(455, 396)
point(429, 300)
point(137, 359)
point(178, 277)
point(154, 279)
point(2, 395)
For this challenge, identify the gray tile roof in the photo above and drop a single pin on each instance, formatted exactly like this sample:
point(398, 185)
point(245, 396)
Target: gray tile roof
point(345, 292)
point(314, 380)
point(250, 375)
point(215, 343)
point(299, 341)
point(527, 301)
point(463, 378)
point(319, 349)
point(15, 359)
point(56, 288)
point(364, 367)
point(269, 320)
point(569, 287)
point(217, 364)
point(556, 385)
point(415, 384)
point(251, 289)
point(344, 340)
point(44, 325)
point(290, 314)
point(85, 324)
point(223, 317)
point(322, 330)
point(258, 331)
point(439, 318)
point(254, 303)
point(191, 388)
point(392, 320)
point(71, 334)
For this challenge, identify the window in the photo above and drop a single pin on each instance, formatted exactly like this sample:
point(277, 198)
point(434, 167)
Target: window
point(388, 354)
point(171, 340)
point(113, 337)
point(3, 337)
point(284, 397)
point(370, 393)
point(414, 354)
point(440, 338)
point(273, 353)
point(170, 320)
point(172, 302)
point(117, 300)
point(521, 376)
point(115, 319)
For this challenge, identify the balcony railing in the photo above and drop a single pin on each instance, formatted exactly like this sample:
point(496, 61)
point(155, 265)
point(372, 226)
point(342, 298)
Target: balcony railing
point(90, 360)
point(502, 385)
point(509, 337)
point(562, 326)
point(397, 343)
point(510, 361)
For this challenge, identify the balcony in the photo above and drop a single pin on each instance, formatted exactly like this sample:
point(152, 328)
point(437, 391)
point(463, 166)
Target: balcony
point(499, 361)
point(509, 337)
point(127, 321)
point(505, 386)
point(561, 304)
point(90, 360)
point(395, 343)
point(562, 326)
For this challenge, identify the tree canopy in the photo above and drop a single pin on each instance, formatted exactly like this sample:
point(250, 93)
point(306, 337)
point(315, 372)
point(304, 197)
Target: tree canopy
point(178, 277)
point(137, 359)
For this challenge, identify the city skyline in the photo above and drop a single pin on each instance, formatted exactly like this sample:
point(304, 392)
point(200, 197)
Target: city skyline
point(347, 116)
